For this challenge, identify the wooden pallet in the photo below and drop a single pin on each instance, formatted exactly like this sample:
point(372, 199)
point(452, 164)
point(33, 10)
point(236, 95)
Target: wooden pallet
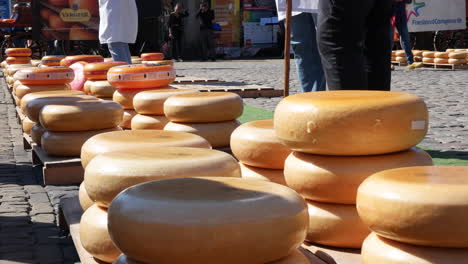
point(58, 170)
point(19, 115)
point(399, 63)
point(189, 79)
point(27, 142)
point(446, 66)
point(242, 89)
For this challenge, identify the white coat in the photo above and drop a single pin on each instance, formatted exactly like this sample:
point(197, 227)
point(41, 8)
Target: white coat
point(298, 6)
point(118, 21)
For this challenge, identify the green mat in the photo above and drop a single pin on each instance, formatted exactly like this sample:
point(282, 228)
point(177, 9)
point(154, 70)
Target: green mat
point(448, 158)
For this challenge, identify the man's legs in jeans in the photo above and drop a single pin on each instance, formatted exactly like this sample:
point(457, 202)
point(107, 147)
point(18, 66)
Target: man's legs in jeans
point(405, 42)
point(120, 52)
point(306, 55)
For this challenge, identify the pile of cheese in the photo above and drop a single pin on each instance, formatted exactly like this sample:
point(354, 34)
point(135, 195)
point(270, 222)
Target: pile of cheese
point(451, 56)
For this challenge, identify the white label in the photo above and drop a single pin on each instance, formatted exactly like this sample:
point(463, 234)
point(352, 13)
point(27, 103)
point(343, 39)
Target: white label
point(418, 124)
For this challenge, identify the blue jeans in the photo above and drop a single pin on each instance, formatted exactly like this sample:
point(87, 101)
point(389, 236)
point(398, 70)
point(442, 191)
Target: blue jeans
point(120, 52)
point(306, 54)
point(405, 42)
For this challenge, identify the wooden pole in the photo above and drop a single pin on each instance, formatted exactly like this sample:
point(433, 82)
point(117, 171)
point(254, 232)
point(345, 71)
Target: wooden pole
point(287, 45)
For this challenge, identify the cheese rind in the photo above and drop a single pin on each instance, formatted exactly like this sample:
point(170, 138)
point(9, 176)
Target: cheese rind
point(140, 122)
point(32, 96)
point(254, 173)
point(127, 118)
point(36, 133)
point(27, 124)
point(22, 90)
point(85, 201)
point(151, 102)
point(34, 106)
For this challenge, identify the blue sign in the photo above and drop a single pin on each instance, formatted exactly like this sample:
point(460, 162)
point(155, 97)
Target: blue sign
point(5, 9)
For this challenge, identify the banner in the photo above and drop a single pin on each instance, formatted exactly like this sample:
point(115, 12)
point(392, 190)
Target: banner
point(434, 15)
point(5, 6)
point(227, 15)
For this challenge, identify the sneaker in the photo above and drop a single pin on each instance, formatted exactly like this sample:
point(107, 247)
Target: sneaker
point(414, 65)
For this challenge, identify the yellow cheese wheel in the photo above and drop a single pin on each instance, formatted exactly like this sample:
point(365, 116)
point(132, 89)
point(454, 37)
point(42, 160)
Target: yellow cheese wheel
point(418, 58)
point(400, 59)
point(16, 84)
point(17, 100)
point(81, 116)
point(203, 107)
point(12, 69)
point(151, 102)
point(23, 90)
point(429, 54)
point(218, 134)
point(458, 55)
point(379, 250)
point(125, 97)
point(133, 166)
point(393, 53)
point(393, 59)
point(94, 235)
point(10, 80)
point(87, 86)
point(138, 139)
point(335, 179)
point(85, 201)
point(418, 205)
point(136, 60)
point(456, 61)
point(428, 60)
point(33, 108)
point(66, 144)
point(102, 89)
point(27, 125)
point(127, 118)
point(148, 122)
point(450, 50)
point(351, 122)
point(400, 53)
point(335, 225)
point(183, 218)
point(36, 133)
point(441, 54)
point(255, 144)
point(255, 173)
point(418, 53)
point(441, 60)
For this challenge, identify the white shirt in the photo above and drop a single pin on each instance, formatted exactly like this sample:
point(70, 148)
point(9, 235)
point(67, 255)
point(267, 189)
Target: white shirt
point(298, 6)
point(118, 21)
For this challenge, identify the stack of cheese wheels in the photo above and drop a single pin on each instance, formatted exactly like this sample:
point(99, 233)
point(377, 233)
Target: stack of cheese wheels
point(96, 79)
point(268, 228)
point(10, 71)
point(260, 153)
point(428, 56)
point(211, 115)
point(69, 60)
point(136, 60)
point(150, 108)
point(109, 173)
point(52, 60)
point(417, 215)
point(152, 56)
point(393, 56)
point(68, 125)
point(418, 55)
point(458, 57)
point(18, 56)
point(132, 79)
point(441, 57)
point(400, 56)
point(340, 138)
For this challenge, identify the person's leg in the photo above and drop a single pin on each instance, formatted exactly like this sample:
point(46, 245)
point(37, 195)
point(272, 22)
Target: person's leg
point(306, 55)
point(204, 44)
point(120, 52)
point(179, 46)
point(211, 45)
point(405, 42)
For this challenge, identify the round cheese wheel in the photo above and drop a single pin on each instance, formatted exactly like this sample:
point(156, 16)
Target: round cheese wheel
point(255, 144)
point(79, 80)
point(218, 134)
point(3, 64)
point(450, 50)
point(418, 53)
point(35, 63)
point(377, 249)
point(125, 97)
point(27, 124)
point(418, 205)
point(418, 58)
point(69, 60)
point(68, 144)
point(335, 179)
point(94, 235)
point(85, 201)
point(441, 60)
point(456, 61)
point(428, 60)
point(393, 53)
point(102, 89)
point(148, 122)
point(161, 62)
point(25, 89)
point(108, 59)
point(203, 107)
point(34, 107)
point(136, 61)
point(400, 53)
point(141, 76)
point(152, 56)
point(10, 80)
point(53, 60)
point(351, 122)
point(400, 59)
point(151, 102)
point(255, 173)
point(45, 76)
point(133, 166)
point(270, 226)
point(17, 100)
point(458, 55)
point(98, 70)
point(127, 118)
point(441, 54)
point(81, 116)
point(87, 87)
point(138, 139)
point(429, 54)
point(36, 133)
point(59, 93)
point(18, 52)
point(335, 225)
point(18, 60)
point(12, 69)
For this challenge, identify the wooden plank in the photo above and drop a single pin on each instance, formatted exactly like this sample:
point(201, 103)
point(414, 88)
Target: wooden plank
point(242, 89)
point(333, 255)
point(27, 141)
point(190, 79)
point(444, 65)
point(399, 63)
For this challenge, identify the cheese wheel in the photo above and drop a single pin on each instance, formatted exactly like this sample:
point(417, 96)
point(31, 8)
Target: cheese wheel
point(79, 80)
point(441, 61)
point(429, 54)
point(69, 60)
point(203, 107)
point(53, 60)
point(255, 144)
point(24, 89)
point(400, 59)
point(87, 87)
point(10, 80)
point(393, 59)
point(162, 62)
point(68, 144)
point(45, 76)
point(377, 249)
point(36, 133)
point(270, 226)
point(335, 179)
point(136, 61)
point(393, 53)
point(148, 122)
point(141, 76)
point(27, 124)
point(34, 107)
point(35, 63)
point(94, 235)
point(151, 102)
point(400, 53)
point(254, 173)
point(335, 225)
point(450, 50)
point(59, 93)
point(428, 60)
point(418, 205)
point(18, 52)
point(12, 69)
point(108, 59)
point(441, 54)
point(127, 118)
point(81, 116)
point(456, 61)
point(133, 166)
point(138, 139)
point(218, 134)
point(85, 201)
point(102, 89)
point(18, 60)
point(458, 55)
point(98, 70)
point(125, 97)
point(418, 53)
point(418, 58)
point(351, 122)
point(152, 56)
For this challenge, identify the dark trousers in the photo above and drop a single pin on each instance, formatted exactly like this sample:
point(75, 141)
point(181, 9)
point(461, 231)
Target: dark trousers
point(354, 43)
point(177, 45)
point(207, 44)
